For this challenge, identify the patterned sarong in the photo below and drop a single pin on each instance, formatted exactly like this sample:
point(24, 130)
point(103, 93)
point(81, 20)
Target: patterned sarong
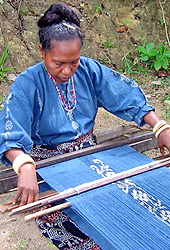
point(57, 226)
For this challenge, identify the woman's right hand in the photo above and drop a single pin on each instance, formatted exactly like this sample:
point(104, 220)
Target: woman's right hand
point(28, 190)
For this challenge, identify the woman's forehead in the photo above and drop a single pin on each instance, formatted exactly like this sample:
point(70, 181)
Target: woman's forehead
point(64, 50)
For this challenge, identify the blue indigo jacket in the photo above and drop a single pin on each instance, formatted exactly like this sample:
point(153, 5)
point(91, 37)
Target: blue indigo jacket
point(33, 112)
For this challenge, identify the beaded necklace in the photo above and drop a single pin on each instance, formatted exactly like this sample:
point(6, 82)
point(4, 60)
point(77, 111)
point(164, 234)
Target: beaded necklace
point(69, 105)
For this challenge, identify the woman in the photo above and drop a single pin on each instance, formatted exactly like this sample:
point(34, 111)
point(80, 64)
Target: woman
point(51, 107)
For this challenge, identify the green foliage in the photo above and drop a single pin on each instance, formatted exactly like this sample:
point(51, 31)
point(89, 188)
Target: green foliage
point(2, 99)
point(128, 22)
point(165, 81)
point(1, 1)
point(167, 97)
point(157, 58)
point(3, 70)
point(133, 66)
point(105, 61)
point(25, 11)
point(108, 44)
point(99, 8)
point(162, 23)
point(167, 113)
point(106, 116)
point(22, 245)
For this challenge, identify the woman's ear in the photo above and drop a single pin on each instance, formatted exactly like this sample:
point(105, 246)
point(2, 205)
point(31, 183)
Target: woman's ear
point(41, 52)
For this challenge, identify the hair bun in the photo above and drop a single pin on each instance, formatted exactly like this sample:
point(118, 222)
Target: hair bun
point(58, 13)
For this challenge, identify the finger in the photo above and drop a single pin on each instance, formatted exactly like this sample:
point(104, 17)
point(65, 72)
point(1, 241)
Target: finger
point(162, 150)
point(31, 198)
point(17, 196)
point(24, 198)
point(36, 198)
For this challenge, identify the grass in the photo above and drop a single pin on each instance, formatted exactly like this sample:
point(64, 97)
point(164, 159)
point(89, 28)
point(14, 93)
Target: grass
point(167, 97)
point(22, 245)
point(166, 81)
point(167, 112)
point(108, 44)
point(3, 70)
point(2, 99)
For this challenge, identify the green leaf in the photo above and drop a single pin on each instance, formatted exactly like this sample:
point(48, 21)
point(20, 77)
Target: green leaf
point(153, 53)
point(7, 69)
point(1, 1)
point(99, 9)
point(165, 63)
point(160, 58)
point(149, 47)
point(157, 65)
point(167, 53)
point(4, 56)
point(145, 58)
point(143, 50)
point(161, 48)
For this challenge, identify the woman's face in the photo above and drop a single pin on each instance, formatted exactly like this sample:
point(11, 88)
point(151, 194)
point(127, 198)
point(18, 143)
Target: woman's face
point(63, 59)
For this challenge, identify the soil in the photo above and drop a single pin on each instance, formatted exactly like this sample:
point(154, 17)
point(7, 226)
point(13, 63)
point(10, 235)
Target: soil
point(15, 233)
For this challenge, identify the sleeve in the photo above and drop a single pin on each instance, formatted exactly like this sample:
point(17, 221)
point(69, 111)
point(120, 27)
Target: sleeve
point(15, 122)
point(119, 94)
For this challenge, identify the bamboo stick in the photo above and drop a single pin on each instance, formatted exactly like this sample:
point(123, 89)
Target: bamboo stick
point(47, 211)
point(92, 185)
point(10, 206)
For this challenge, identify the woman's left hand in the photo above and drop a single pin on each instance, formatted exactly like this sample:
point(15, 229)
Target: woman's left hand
point(164, 140)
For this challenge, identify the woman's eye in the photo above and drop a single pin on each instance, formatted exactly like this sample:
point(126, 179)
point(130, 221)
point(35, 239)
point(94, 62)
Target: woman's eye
point(58, 64)
point(74, 63)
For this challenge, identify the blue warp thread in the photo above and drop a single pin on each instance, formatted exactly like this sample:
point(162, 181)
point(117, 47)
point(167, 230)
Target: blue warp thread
point(130, 214)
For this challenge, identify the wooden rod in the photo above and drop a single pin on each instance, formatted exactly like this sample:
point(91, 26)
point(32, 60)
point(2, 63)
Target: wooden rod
point(10, 206)
point(47, 211)
point(92, 185)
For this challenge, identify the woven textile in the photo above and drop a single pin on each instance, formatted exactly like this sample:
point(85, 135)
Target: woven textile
point(130, 214)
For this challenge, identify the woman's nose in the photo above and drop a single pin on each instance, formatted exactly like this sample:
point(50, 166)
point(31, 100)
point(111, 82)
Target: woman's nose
point(66, 70)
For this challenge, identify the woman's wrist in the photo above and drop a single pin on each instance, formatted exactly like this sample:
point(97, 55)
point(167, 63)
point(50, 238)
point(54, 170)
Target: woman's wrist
point(159, 127)
point(27, 167)
point(22, 160)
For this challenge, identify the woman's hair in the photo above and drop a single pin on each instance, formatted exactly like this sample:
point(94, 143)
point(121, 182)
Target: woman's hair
point(59, 23)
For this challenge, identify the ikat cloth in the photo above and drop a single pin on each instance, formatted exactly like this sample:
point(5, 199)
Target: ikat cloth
point(129, 214)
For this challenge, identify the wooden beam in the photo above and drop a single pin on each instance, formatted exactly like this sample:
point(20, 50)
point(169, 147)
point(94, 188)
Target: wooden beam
point(92, 185)
point(145, 142)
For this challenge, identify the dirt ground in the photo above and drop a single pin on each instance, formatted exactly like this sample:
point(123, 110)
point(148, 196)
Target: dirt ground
point(15, 233)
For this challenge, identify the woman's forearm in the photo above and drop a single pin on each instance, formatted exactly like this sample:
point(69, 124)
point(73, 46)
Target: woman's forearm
point(13, 153)
point(151, 118)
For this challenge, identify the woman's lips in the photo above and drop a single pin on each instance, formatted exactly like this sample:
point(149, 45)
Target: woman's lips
point(64, 79)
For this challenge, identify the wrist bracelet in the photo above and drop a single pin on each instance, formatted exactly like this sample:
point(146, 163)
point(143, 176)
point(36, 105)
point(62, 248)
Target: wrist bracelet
point(158, 125)
point(161, 129)
point(20, 160)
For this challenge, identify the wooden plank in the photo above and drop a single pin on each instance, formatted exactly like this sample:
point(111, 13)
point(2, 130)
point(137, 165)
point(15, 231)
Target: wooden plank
point(90, 150)
point(145, 145)
point(8, 178)
point(110, 134)
point(8, 183)
point(102, 136)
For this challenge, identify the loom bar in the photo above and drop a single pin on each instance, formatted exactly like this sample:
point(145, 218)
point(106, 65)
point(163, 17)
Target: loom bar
point(47, 211)
point(92, 185)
